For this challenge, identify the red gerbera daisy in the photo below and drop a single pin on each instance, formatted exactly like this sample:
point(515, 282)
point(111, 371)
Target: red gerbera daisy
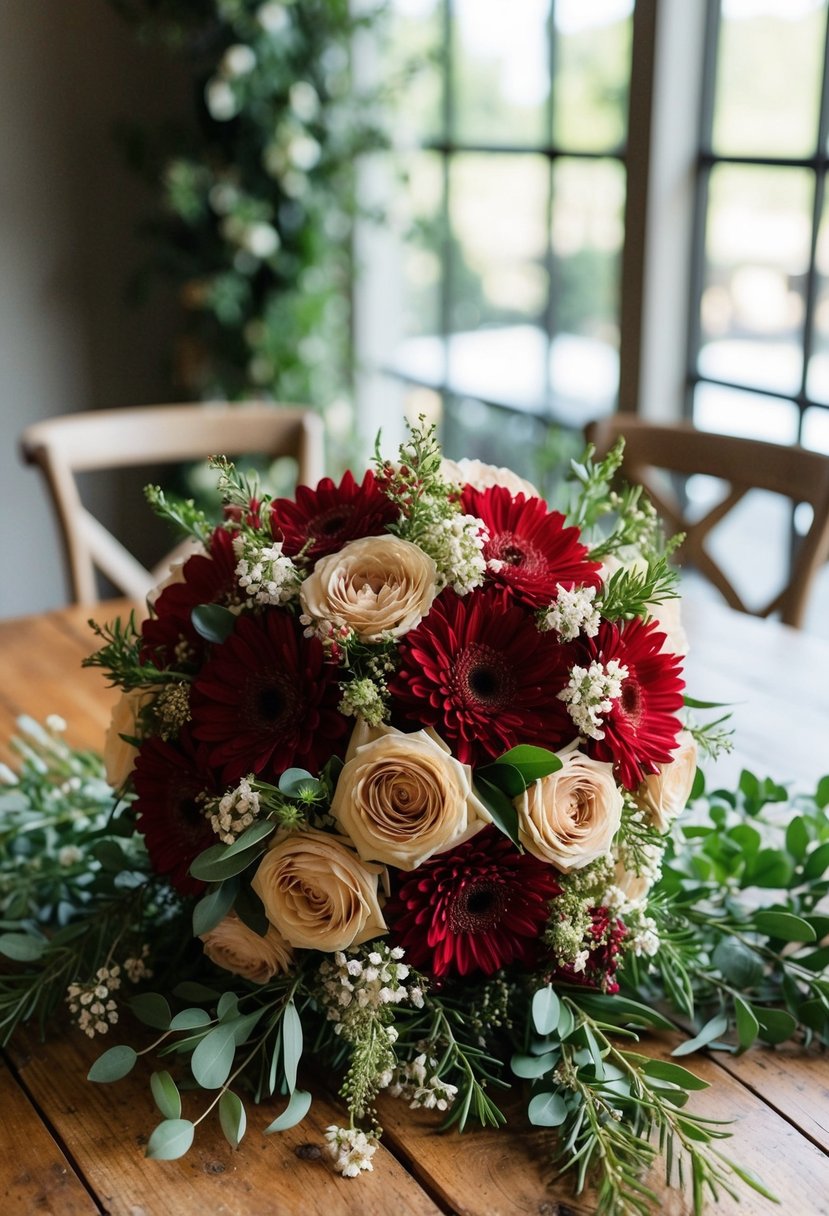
point(207, 578)
point(641, 727)
point(266, 700)
point(530, 551)
point(331, 515)
point(477, 907)
point(168, 780)
point(479, 671)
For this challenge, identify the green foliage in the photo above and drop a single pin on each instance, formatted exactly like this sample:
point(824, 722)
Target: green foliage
point(255, 192)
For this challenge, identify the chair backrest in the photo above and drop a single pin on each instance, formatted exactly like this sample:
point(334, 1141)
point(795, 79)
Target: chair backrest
point(744, 464)
point(157, 434)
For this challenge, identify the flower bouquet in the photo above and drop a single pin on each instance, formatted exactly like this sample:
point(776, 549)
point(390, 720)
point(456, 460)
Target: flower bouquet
point(398, 765)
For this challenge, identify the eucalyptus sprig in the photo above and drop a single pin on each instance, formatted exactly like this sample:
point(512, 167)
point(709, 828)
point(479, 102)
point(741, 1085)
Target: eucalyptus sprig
point(182, 513)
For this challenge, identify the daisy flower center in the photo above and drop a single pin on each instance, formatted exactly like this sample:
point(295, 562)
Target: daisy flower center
point(512, 550)
point(329, 523)
point(269, 701)
point(481, 676)
point(478, 906)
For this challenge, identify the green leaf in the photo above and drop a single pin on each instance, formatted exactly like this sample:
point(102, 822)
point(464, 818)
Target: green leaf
point(769, 868)
point(504, 777)
point(152, 1009)
point(533, 763)
point(22, 947)
point(190, 1019)
point(213, 623)
point(251, 911)
point(797, 837)
point(547, 1110)
point(712, 1030)
point(214, 906)
point(298, 1106)
point(622, 1010)
point(822, 793)
point(785, 926)
point(739, 964)
point(546, 1008)
point(113, 1064)
point(166, 1095)
point(212, 1059)
point(664, 1070)
point(776, 1025)
point(747, 1025)
point(750, 1179)
point(170, 1140)
point(294, 781)
point(693, 703)
point(817, 862)
point(214, 864)
point(504, 815)
point(232, 1118)
point(190, 990)
point(566, 1022)
point(228, 1007)
point(291, 1043)
point(256, 833)
point(532, 1067)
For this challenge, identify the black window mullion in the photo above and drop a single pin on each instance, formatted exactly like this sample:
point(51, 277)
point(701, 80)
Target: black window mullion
point(551, 311)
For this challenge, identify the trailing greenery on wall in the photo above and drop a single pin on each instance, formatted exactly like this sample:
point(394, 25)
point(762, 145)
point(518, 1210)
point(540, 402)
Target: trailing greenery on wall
point(256, 197)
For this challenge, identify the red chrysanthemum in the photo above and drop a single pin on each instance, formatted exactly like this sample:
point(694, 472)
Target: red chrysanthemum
point(207, 578)
point(168, 779)
point(331, 515)
point(478, 907)
point(266, 700)
point(603, 944)
point(530, 551)
point(641, 727)
point(479, 671)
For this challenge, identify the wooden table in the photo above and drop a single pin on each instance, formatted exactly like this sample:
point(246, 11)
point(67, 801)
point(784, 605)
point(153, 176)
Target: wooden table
point(72, 1148)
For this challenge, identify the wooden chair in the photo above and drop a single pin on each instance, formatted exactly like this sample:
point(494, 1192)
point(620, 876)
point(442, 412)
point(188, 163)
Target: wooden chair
point(159, 434)
point(745, 464)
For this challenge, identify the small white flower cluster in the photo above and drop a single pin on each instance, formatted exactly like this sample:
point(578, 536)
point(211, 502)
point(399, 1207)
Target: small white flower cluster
point(413, 1083)
point(69, 855)
point(455, 544)
point(355, 981)
point(263, 572)
point(573, 612)
point(590, 693)
point(643, 936)
point(234, 812)
point(351, 1148)
point(136, 968)
point(363, 699)
point(92, 1004)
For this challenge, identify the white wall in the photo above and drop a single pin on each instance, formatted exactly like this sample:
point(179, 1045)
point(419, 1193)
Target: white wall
point(69, 340)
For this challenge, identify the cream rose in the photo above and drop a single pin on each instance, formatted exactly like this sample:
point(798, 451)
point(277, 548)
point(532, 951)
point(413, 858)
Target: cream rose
point(377, 585)
point(481, 476)
point(119, 756)
point(571, 817)
point(403, 797)
point(235, 947)
point(664, 794)
point(318, 893)
point(633, 886)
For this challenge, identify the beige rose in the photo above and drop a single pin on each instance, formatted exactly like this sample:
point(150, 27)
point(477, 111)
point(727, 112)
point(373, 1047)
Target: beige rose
point(237, 948)
point(377, 585)
point(633, 886)
point(318, 893)
point(119, 756)
point(663, 795)
point(481, 476)
point(403, 797)
point(571, 817)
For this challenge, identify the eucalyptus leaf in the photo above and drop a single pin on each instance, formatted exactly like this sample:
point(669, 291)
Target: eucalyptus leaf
point(294, 782)
point(190, 1019)
point(738, 963)
point(748, 1027)
point(784, 925)
point(213, 622)
point(214, 864)
point(214, 906)
point(291, 1043)
point(251, 911)
point(212, 1059)
point(170, 1140)
point(113, 1064)
point(530, 1068)
point(664, 1070)
point(22, 947)
point(232, 1117)
point(712, 1030)
point(546, 1009)
point(298, 1106)
point(152, 1009)
point(228, 1007)
point(547, 1110)
point(191, 990)
point(256, 833)
point(166, 1095)
point(776, 1025)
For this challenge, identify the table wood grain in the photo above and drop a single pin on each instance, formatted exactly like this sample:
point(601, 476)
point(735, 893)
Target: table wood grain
point(73, 1148)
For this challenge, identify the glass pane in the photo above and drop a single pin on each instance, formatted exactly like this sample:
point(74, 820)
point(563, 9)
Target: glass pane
point(421, 252)
point(498, 210)
point(414, 57)
point(532, 448)
point(817, 381)
point(587, 234)
point(501, 71)
point(768, 77)
point(757, 253)
point(816, 430)
point(730, 412)
point(592, 58)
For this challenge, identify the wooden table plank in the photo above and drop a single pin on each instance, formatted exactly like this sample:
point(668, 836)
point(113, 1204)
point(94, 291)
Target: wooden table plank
point(108, 1125)
point(35, 1175)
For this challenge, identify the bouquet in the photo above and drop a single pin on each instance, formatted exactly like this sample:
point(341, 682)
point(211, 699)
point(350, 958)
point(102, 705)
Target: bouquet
point(398, 766)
